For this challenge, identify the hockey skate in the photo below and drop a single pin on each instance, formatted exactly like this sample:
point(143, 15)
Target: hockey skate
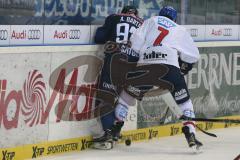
point(116, 129)
point(193, 143)
point(105, 142)
point(109, 139)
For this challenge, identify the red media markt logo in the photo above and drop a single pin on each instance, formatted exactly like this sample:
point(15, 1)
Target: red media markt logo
point(31, 102)
point(34, 98)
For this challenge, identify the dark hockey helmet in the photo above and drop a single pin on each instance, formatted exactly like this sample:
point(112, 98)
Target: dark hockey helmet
point(130, 10)
point(169, 12)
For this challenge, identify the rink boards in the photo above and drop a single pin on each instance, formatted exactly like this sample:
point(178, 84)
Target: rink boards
point(44, 84)
point(50, 148)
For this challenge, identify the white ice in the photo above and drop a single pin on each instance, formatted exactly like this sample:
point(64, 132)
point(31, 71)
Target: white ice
point(225, 147)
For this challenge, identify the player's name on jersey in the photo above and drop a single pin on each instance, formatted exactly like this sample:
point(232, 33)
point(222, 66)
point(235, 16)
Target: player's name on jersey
point(130, 20)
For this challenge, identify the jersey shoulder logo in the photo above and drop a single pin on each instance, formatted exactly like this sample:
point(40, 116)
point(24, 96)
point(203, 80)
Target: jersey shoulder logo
point(165, 22)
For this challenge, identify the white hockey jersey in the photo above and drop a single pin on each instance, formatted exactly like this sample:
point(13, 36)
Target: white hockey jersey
point(160, 40)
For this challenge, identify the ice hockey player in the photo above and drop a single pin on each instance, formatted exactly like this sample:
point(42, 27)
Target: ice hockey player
point(117, 29)
point(160, 40)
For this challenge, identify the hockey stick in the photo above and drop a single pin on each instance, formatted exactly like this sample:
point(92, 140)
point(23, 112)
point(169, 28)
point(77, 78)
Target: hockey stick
point(210, 134)
point(167, 97)
point(210, 120)
point(177, 111)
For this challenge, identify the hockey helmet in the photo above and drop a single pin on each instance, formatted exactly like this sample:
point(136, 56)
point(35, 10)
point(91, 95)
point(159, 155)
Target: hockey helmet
point(130, 10)
point(169, 12)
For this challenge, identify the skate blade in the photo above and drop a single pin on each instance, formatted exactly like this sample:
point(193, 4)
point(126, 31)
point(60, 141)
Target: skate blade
point(196, 149)
point(102, 145)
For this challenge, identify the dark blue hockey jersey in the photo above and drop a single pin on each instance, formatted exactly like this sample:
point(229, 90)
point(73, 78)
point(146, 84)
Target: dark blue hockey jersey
point(117, 28)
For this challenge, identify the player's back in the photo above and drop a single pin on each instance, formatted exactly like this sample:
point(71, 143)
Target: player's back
point(163, 31)
point(121, 26)
point(161, 34)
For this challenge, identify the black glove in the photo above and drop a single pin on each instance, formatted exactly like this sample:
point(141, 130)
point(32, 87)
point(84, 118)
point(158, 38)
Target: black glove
point(184, 66)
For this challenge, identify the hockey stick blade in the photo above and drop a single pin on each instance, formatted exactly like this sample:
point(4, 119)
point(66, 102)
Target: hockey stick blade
point(207, 133)
point(209, 120)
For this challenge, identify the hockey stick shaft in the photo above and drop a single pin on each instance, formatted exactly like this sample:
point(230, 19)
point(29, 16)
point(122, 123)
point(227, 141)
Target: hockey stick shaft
point(167, 97)
point(210, 120)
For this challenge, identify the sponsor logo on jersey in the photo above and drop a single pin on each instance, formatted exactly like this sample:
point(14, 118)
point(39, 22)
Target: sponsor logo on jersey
point(129, 51)
point(181, 94)
point(109, 86)
point(134, 90)
point(155, 56)
point(165, 22)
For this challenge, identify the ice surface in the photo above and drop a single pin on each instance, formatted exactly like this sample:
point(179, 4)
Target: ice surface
point(225, 147)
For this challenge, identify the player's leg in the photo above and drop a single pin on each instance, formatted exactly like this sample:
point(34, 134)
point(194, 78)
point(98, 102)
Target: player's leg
point(121, 112)
point(189, 126)
point(112, 124)
point(182, 98)
point(107, 116)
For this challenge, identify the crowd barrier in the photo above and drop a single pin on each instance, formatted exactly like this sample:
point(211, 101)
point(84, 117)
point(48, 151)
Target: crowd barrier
point(41, 85)
point(38, 35)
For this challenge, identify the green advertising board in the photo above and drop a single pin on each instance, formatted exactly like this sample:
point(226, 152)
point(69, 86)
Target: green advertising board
point(214, 85)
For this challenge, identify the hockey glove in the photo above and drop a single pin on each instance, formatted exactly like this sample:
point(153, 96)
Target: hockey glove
point(111, 47)
point(185, 67)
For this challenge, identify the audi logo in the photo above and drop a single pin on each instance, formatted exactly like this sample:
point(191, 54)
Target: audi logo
point(34, 34)
point(227, 32)
point(3, 34)
point(74, 34)
point(194, 32)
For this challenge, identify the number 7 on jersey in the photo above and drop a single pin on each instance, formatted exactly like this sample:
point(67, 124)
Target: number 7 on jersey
point(163, 33)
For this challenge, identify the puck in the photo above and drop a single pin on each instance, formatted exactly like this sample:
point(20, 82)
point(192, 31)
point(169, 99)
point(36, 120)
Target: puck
point(128, 142)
